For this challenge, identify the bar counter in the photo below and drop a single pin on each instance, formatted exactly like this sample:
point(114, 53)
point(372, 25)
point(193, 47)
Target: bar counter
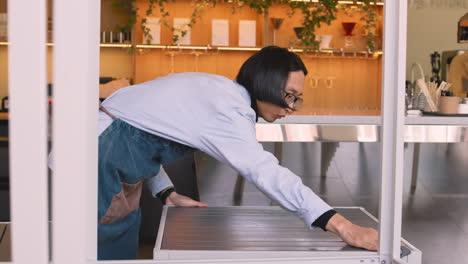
point(356, 128)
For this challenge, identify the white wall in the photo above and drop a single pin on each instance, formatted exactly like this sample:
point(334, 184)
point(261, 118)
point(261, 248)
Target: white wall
point(429, 30)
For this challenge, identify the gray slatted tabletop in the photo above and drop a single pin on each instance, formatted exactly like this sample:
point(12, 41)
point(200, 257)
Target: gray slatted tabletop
point(250, 229)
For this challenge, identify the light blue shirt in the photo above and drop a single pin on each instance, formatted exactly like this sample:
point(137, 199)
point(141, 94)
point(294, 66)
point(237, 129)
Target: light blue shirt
point(213, 114)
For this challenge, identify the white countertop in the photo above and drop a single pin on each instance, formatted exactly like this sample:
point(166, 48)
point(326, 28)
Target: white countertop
point(367, 120)
point(335, 120)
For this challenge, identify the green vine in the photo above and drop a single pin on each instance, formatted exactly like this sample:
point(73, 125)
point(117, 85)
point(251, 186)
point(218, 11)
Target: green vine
point(127, 7)
point(370, 17)
point(260, 6)
point(149, 11)
point(199, 6)
point(314, 14)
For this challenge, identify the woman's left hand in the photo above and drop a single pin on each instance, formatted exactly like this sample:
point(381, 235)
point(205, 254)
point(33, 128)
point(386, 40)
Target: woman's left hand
point(183, 201)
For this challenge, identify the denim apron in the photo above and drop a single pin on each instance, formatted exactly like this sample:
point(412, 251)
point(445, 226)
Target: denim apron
point(127, 156)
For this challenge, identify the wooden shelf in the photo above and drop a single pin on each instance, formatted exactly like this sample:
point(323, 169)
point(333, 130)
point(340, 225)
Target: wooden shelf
point(4, 43)
point(102, 45)
point(115, 45)
point(325, 52)
point(196, 47)
point(174, 47)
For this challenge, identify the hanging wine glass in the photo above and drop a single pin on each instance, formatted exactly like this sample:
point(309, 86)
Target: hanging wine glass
point(172, 54)
point(197, 56)
point(276, 22)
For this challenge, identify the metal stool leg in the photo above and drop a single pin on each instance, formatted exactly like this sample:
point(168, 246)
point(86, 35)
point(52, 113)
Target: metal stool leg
point(279, 155)
point(328, 152)
point(279, 152)
point(414, 173)
point(238, 190)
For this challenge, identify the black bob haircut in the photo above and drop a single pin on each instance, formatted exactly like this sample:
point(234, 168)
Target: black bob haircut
point(265, 74)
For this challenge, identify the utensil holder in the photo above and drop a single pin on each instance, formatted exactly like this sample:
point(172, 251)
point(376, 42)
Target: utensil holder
point(449, 104)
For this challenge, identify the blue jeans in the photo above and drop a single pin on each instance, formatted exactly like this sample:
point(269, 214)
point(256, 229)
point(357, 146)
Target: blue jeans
point(127, 156)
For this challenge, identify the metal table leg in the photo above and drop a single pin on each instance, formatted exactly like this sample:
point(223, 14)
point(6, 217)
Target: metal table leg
point(414, 173)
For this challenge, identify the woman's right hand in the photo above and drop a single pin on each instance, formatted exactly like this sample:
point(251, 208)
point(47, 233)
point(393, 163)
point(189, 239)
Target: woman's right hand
point(353, 235)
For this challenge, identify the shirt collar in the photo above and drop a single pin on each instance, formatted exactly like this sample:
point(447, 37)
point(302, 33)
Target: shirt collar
point(249, 99)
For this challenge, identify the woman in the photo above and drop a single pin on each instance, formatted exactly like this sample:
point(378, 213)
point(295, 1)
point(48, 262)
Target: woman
point(150, 124)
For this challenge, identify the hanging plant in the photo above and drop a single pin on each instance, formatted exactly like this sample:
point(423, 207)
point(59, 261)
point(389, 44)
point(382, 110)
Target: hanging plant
point(259, 6)
point(370, 18)
point(127, 7)
point(314, 14)
point(144, 28)
point(198, 7)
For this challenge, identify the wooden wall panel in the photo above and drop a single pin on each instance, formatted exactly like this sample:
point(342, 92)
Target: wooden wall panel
point(116, 63)
point(333, 85)
point(354, 84)
point(201, 31)
point(154, 63)
point(355, 89)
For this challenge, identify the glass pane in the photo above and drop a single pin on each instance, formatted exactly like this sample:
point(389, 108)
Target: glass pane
point(435, 165)
point(436, 59)
point(344, 78)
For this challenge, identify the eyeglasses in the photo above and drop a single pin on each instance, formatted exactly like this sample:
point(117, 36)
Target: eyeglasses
point(292, 100)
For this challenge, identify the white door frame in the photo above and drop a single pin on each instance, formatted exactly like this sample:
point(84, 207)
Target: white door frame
point(393, 106)
point(28, 130)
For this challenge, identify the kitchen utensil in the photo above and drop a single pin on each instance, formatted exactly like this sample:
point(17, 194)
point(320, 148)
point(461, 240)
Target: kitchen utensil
point(429, 99)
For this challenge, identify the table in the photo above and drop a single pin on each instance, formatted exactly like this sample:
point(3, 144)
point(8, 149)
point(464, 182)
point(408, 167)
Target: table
point(335, 129)
point(258, 232)
point(360, 129)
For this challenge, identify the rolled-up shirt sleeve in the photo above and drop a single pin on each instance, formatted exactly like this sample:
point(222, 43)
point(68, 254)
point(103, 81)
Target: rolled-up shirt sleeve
point(159, 182)
point(232, 140)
